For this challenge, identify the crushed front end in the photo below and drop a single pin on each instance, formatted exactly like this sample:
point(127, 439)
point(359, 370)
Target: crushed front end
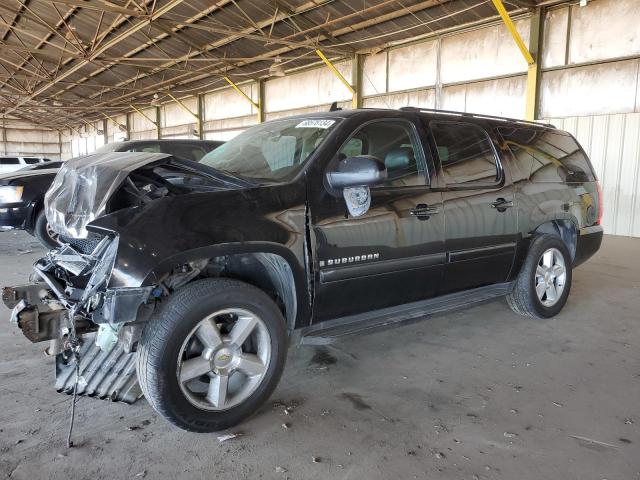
point(70, 306)
point(69, 302)
point(90, 298)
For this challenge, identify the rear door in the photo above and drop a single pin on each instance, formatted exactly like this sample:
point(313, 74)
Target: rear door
point(478, 198)
point(392, 254)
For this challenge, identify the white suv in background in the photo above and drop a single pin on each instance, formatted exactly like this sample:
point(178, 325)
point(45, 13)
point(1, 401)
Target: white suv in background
point(11, 164)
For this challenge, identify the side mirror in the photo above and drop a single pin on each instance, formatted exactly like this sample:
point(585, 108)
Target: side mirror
point(360, 171)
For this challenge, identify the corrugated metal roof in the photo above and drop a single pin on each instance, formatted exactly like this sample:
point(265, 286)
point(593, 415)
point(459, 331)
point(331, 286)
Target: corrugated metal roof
point(65, 61)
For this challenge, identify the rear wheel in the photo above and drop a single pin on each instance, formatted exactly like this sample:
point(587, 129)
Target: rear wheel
point(44, 233)
point(544, 282)
point(212, 354)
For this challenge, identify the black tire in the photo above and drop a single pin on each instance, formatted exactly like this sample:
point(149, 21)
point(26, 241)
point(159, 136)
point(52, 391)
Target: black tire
point(162, 338)
point(41, 232)
point(523, 298)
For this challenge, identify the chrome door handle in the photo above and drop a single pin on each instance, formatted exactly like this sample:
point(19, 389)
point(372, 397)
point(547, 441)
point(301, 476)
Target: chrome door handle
point(501, 204)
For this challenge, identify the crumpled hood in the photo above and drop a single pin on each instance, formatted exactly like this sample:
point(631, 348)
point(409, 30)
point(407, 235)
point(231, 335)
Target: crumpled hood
point(81, 189)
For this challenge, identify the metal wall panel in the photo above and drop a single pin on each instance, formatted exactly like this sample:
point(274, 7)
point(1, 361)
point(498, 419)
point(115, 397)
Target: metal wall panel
point(374, 74)
point(604, 29)
point(556, 24)
point(413, 98)
point(592, 89)
point(305, 89)
point(144, 135)
point(482, 53)
point(504, 97)
point(139, 123)
point(301, 111)
point(174, 115)
point(29, 141)
point(113, 131)
point(228, 103)
point(413, 66)
point(613, 145)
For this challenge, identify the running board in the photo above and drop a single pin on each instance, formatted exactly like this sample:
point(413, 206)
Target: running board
point(328, 332)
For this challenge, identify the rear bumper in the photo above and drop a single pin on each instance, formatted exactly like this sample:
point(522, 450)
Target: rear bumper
point(12, 217)
point(589, 241)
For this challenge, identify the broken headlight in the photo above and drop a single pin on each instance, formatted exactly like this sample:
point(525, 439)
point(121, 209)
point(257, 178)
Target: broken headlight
point(11, 193)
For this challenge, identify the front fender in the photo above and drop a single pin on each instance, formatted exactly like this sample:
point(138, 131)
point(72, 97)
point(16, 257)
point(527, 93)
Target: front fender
point(166, 233)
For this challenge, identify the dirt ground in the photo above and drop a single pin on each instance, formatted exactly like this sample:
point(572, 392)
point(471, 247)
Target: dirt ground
point(480, 394)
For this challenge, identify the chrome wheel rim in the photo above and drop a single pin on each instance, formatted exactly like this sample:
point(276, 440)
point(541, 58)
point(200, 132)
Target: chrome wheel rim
point(551, 276)
point(52, 235)
point(224, 359)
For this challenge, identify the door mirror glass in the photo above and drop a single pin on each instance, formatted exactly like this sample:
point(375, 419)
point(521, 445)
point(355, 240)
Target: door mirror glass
point(359, 171)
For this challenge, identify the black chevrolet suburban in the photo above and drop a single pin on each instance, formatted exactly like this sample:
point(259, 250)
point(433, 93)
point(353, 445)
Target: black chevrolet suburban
point(187, 282)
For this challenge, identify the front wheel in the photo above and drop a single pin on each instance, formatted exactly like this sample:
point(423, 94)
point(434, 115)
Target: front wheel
point(44, 233)
point(212, 354)
point(543, 284)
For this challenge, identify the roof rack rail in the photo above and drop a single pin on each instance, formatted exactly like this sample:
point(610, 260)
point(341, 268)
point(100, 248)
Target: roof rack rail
point(474, 115)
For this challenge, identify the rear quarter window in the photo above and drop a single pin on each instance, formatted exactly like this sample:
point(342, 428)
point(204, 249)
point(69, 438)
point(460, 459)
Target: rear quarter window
point(545, 155)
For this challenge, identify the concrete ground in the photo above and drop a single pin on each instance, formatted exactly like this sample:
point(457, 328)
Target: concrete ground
point(480, 394)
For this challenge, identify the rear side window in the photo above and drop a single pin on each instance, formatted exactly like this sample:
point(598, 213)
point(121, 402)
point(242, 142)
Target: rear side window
point(9, 161)
point(544, 155)
point(31, 161)
point(466, 154)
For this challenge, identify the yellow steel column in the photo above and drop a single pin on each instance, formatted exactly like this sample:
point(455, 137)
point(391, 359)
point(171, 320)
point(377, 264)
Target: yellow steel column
point(533, 70)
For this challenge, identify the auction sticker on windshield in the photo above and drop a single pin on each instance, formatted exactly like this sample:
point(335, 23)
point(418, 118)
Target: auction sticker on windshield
point(315, 124)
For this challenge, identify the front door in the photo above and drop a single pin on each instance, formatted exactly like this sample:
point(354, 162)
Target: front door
point(392, 254)
point(478, 197)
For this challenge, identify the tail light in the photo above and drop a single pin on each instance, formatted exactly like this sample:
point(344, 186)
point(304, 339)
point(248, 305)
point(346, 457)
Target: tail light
point(600, 203)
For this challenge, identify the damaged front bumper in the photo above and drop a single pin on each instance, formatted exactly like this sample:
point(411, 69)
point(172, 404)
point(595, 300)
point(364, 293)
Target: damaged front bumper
point(70, 305)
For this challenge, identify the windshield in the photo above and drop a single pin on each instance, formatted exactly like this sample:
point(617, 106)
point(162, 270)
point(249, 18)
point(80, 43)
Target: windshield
point(272, 151)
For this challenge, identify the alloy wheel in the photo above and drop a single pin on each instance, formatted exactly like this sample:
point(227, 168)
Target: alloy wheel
point(550, 277)
point(224, 359)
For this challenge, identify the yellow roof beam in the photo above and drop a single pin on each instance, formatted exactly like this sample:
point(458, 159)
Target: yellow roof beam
point(241, 92)
point(143, 114)
point(512, 30)
point(335, 71)
point(187, 109)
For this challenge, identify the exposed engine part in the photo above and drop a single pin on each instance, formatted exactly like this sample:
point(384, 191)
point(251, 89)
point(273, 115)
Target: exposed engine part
point(107, 336)
point(108, 375)
point(38, 315)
